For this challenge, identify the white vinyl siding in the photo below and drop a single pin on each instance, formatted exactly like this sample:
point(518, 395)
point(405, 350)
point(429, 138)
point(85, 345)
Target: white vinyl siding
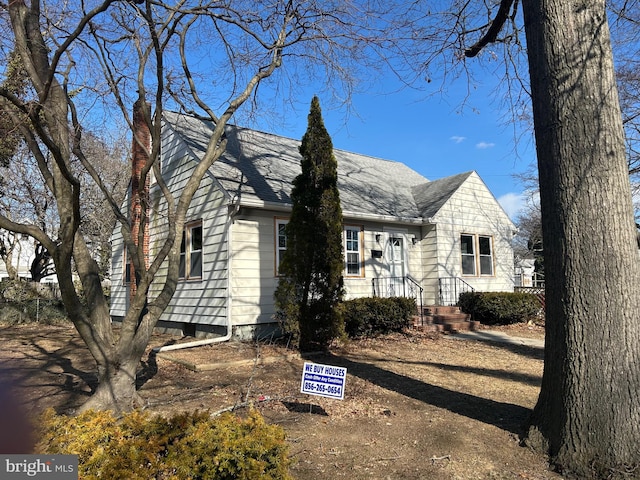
point(203, 295)
point(428, 264)
point(472, 210)
point(241, 248)
point(253, 280)
point(119, 281)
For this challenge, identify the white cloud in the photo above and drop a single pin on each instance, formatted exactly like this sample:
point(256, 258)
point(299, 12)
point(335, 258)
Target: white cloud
point(458, 139)
point(513, 203)
point(483, 145)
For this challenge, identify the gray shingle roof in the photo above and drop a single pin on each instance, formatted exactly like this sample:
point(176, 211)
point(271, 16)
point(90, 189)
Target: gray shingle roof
point(259, 168)
point(430, 197)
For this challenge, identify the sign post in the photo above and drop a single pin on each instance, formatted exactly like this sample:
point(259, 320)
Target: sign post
point(323, 380)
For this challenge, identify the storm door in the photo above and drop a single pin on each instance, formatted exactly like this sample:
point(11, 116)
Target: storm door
point(395, 259)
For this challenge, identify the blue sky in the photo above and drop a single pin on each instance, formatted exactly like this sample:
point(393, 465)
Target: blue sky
point(433, 135)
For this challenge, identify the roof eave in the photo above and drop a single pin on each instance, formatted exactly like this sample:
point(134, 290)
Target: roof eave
point(372, 217)
point(347, 214)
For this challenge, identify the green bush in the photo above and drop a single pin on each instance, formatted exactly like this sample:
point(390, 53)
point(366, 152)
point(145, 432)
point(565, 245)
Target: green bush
point(185, 446)
point(500, 308)
point(366, 317)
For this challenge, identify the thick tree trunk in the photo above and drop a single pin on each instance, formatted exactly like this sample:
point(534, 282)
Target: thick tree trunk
point(588, 413)
point(117, 353)
point(52, 140)
point(116, 390)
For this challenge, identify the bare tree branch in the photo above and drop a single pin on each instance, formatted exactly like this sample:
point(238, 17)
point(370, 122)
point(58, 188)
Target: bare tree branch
point(494, 29)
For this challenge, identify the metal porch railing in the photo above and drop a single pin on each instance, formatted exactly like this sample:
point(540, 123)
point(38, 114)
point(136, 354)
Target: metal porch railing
point(405, 286)
point(450, 289)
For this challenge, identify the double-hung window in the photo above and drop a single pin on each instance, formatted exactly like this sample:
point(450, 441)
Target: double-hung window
point(352, 247)
point(467, 249)
point(477, 254)
point(352, 251)
point(485, 255)
point(191, 251)
point(281, 240)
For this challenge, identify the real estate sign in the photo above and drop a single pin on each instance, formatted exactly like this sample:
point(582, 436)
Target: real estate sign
point(323, 380)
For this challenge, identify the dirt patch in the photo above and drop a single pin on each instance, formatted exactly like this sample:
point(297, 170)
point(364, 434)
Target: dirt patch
point(416, 406)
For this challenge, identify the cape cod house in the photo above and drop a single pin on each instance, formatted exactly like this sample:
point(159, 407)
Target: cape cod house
point(403, 234)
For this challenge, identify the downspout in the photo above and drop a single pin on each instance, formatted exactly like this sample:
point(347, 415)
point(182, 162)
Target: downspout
point(197, 343)
point(209, 341)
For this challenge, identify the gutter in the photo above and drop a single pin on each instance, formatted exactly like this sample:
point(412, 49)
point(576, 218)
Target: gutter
point(347, 214)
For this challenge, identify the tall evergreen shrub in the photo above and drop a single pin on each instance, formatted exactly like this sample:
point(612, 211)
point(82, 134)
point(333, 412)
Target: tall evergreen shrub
point(311, 285)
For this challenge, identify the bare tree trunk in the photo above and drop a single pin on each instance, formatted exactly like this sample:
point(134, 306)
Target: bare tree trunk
point(116, 390)
point(54, 130)
point(7, 247)
point(588, 413)
point(12, 272)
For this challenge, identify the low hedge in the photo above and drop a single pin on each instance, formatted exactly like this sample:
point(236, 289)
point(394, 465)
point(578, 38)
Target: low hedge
point(366, 317)
point(500, 308)
point(185, 446)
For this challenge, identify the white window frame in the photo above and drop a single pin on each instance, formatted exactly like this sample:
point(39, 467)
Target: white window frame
point(347, 242)
point(280, 246)
point(189, 254)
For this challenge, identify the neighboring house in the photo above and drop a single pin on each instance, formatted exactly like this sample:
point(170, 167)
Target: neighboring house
point(524, 271)
point(23, 253)
point(402, 233)
point(20, 249)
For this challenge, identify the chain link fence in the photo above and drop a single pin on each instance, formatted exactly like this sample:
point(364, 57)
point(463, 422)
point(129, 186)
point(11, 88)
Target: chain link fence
point(22, 301)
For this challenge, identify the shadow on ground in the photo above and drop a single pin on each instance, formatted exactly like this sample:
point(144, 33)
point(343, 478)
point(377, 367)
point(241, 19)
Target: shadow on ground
point(507, 416)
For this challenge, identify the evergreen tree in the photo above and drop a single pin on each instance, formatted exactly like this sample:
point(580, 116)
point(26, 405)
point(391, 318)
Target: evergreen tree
point(15, 83)
point(311, 285)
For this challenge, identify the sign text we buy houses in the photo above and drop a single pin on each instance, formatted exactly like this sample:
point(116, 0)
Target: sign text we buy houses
point(323, 380)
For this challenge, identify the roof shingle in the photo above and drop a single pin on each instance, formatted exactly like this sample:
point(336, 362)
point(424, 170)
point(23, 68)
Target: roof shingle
point(259, 168)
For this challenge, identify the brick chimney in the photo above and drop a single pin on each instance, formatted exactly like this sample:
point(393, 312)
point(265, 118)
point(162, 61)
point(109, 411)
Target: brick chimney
point(140, 151)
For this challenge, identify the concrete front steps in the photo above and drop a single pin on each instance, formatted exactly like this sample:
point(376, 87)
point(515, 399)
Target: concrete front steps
point(436, 318)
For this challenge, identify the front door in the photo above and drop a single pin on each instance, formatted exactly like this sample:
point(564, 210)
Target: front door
point(396, 266)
